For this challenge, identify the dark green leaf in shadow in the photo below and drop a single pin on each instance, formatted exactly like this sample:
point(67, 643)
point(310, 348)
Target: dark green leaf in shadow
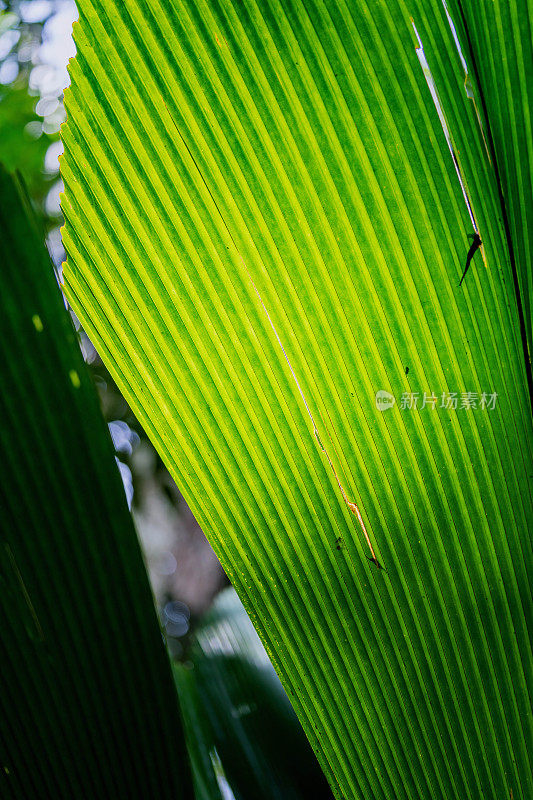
point(239, 717)
point(88, 708)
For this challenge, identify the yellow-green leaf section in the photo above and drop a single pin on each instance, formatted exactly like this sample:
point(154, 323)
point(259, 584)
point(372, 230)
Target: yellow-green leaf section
point(265, 227)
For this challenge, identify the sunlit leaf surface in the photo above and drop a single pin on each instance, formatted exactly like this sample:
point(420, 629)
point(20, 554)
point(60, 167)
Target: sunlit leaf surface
point(268, 208)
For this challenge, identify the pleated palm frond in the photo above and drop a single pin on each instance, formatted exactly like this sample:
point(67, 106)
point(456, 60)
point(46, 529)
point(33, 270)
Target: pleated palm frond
point(268, 208)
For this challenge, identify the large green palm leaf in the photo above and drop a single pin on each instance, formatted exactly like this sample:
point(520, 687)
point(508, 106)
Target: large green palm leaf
point(265, 228)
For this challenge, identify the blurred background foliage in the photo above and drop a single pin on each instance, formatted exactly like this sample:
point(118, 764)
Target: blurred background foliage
point(244, 738)
point(35, 46)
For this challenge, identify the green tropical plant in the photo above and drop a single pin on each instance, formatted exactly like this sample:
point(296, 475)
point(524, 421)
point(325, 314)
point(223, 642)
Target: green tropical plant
point(267, 216)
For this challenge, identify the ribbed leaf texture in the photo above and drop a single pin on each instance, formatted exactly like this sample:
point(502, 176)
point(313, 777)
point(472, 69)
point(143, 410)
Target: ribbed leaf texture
point(87, 708)
point(499, 35)
point(266, 227)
